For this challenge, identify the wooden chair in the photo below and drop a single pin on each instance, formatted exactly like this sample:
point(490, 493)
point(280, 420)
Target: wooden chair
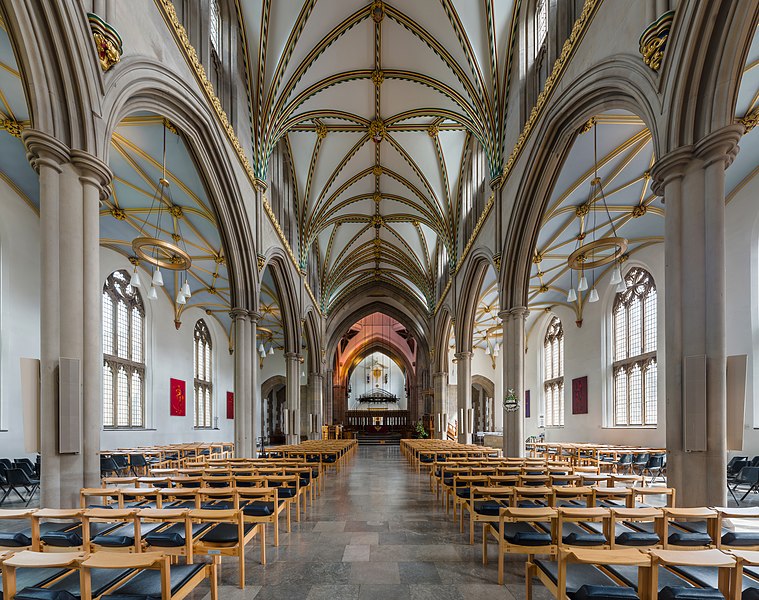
point(125, 536)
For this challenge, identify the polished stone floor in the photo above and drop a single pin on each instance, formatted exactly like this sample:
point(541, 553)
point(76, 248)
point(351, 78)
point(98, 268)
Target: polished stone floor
point(375, 532)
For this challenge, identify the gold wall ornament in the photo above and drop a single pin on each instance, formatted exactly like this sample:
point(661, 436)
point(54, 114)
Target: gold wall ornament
point(11, 126)
point(639, 211)
point(321, 131)
point(378, 11)
point(378, 77)
point(587, 126)
point(107, 41)
point(750, 120)
point(261, 262)
point(176, 211)
point(377, 130)
point(433, 130)
point(537, 258)
point(170, 126)
point(497, 262)
point(377, 197)
point(653, 40)
point(377, 170)
point(118, 213)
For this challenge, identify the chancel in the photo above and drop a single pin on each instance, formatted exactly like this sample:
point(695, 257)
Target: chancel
point(379, 298)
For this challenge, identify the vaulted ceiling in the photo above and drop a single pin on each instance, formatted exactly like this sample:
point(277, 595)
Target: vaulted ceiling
point(378, 104)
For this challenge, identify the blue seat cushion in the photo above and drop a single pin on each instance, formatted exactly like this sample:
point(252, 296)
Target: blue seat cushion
point(488, 508)
point(689, 593)
point(304, 482)
point(288, 492)
point(225, 533)
point(637, 538)
point(584, 539)
point(738, 538)
point(114, 541)
point(426, 459)
point(604, 592)
point(35, 593)
point(259, 509)
point(523, 534)
point(751, 593)
point(463, 492)
point(330, 458)
point(15, 540)
point(146, 585)
point(689, 539)
point(173, 537)
point(62, 539)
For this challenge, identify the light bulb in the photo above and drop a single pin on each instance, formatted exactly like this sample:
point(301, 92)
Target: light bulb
point(616, 276)
point(186, 289)
point(593, 296)
point(134, 281)
point(622, 287)
point(271, 350)
point(180, 298)
point(261, 349)
point(152, 294)
point(583, 284)
point(157, 277)
point(487, 349)
point(571, 295)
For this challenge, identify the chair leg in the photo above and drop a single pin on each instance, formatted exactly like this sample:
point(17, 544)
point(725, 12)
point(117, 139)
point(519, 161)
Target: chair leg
point(485, 532)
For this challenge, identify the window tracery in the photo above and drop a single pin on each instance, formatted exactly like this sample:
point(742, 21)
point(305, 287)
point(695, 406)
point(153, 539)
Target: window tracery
point(202, 359)
point(553, 374)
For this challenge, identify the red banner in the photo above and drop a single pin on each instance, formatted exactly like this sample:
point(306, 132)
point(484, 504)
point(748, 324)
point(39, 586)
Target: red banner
point(177, 398)
point(230, 405)
point(580, 396)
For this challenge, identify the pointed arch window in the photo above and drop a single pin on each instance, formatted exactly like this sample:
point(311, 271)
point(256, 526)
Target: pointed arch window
point(123, 353)
point(634, 368)
point(541, 24)
point(553, 374)
point(214, 26)
point(203, 375)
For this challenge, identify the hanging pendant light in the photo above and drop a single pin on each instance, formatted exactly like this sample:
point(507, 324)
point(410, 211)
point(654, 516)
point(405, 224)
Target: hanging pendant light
point(261, 349)
point(496, 349)
point(621, 287)
point(593, 296)
point(134, 280)
point(616, 275)
point(163, 246)
point(583, 284)
point(271, 350)
point(487, 348)
point(157, 278)
point(571, 295)
point(152, 294)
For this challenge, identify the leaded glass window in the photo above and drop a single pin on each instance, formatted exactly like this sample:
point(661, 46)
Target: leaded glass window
point(553, 374)
point(203, 375)
point(634, 345)
point(123, 353)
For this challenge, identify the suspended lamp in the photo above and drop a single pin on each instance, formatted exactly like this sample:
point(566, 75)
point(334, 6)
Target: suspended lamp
point(271, 350)
point(596, 252)
point(163, 247)
point(134, 280)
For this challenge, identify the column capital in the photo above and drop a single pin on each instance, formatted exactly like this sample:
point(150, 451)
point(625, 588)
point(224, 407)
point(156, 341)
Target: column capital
point(463, 355)
point(720, 145)
point(669, 167)
point(42, 148)
point(238, 314)
point(440, 374)
point(293, 356)
point(315, 375)
point(93, 170)
point(514, 313)
point(254, 316)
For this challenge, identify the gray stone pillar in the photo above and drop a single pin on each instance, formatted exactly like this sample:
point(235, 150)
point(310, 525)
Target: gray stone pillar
point(464, 394)
point(242, 366)
point(439, 391)
point(256, 405)
point(71, 184)
point(513, 321)
point(315, 401)
point(328, 413)
point(292, 373)
point(692, 181)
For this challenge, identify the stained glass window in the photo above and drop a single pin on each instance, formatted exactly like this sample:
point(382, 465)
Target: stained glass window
point(634, 345)
point(203, 375)
point(553, 374)
point(123, 353)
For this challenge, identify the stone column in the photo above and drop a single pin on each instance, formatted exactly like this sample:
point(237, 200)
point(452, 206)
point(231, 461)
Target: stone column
point(71, 184)
point(328, 414)
point(292, 373)
point(94, 177)
point(513, 321)
point(440, 391)
point(464, 394)
point(315, 387)
point(256, 409)
point(242, 366)
point(692, 181)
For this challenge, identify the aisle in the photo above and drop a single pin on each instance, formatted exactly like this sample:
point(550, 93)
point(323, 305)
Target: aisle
point(376, 532)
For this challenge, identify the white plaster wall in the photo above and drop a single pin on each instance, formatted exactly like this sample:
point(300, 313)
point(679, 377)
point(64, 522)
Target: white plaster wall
point(395, 385)
point(169, 354)
point(586, 352)
point(482, 364)
point(272, 365)
point(742, 297)
point(19, 311)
